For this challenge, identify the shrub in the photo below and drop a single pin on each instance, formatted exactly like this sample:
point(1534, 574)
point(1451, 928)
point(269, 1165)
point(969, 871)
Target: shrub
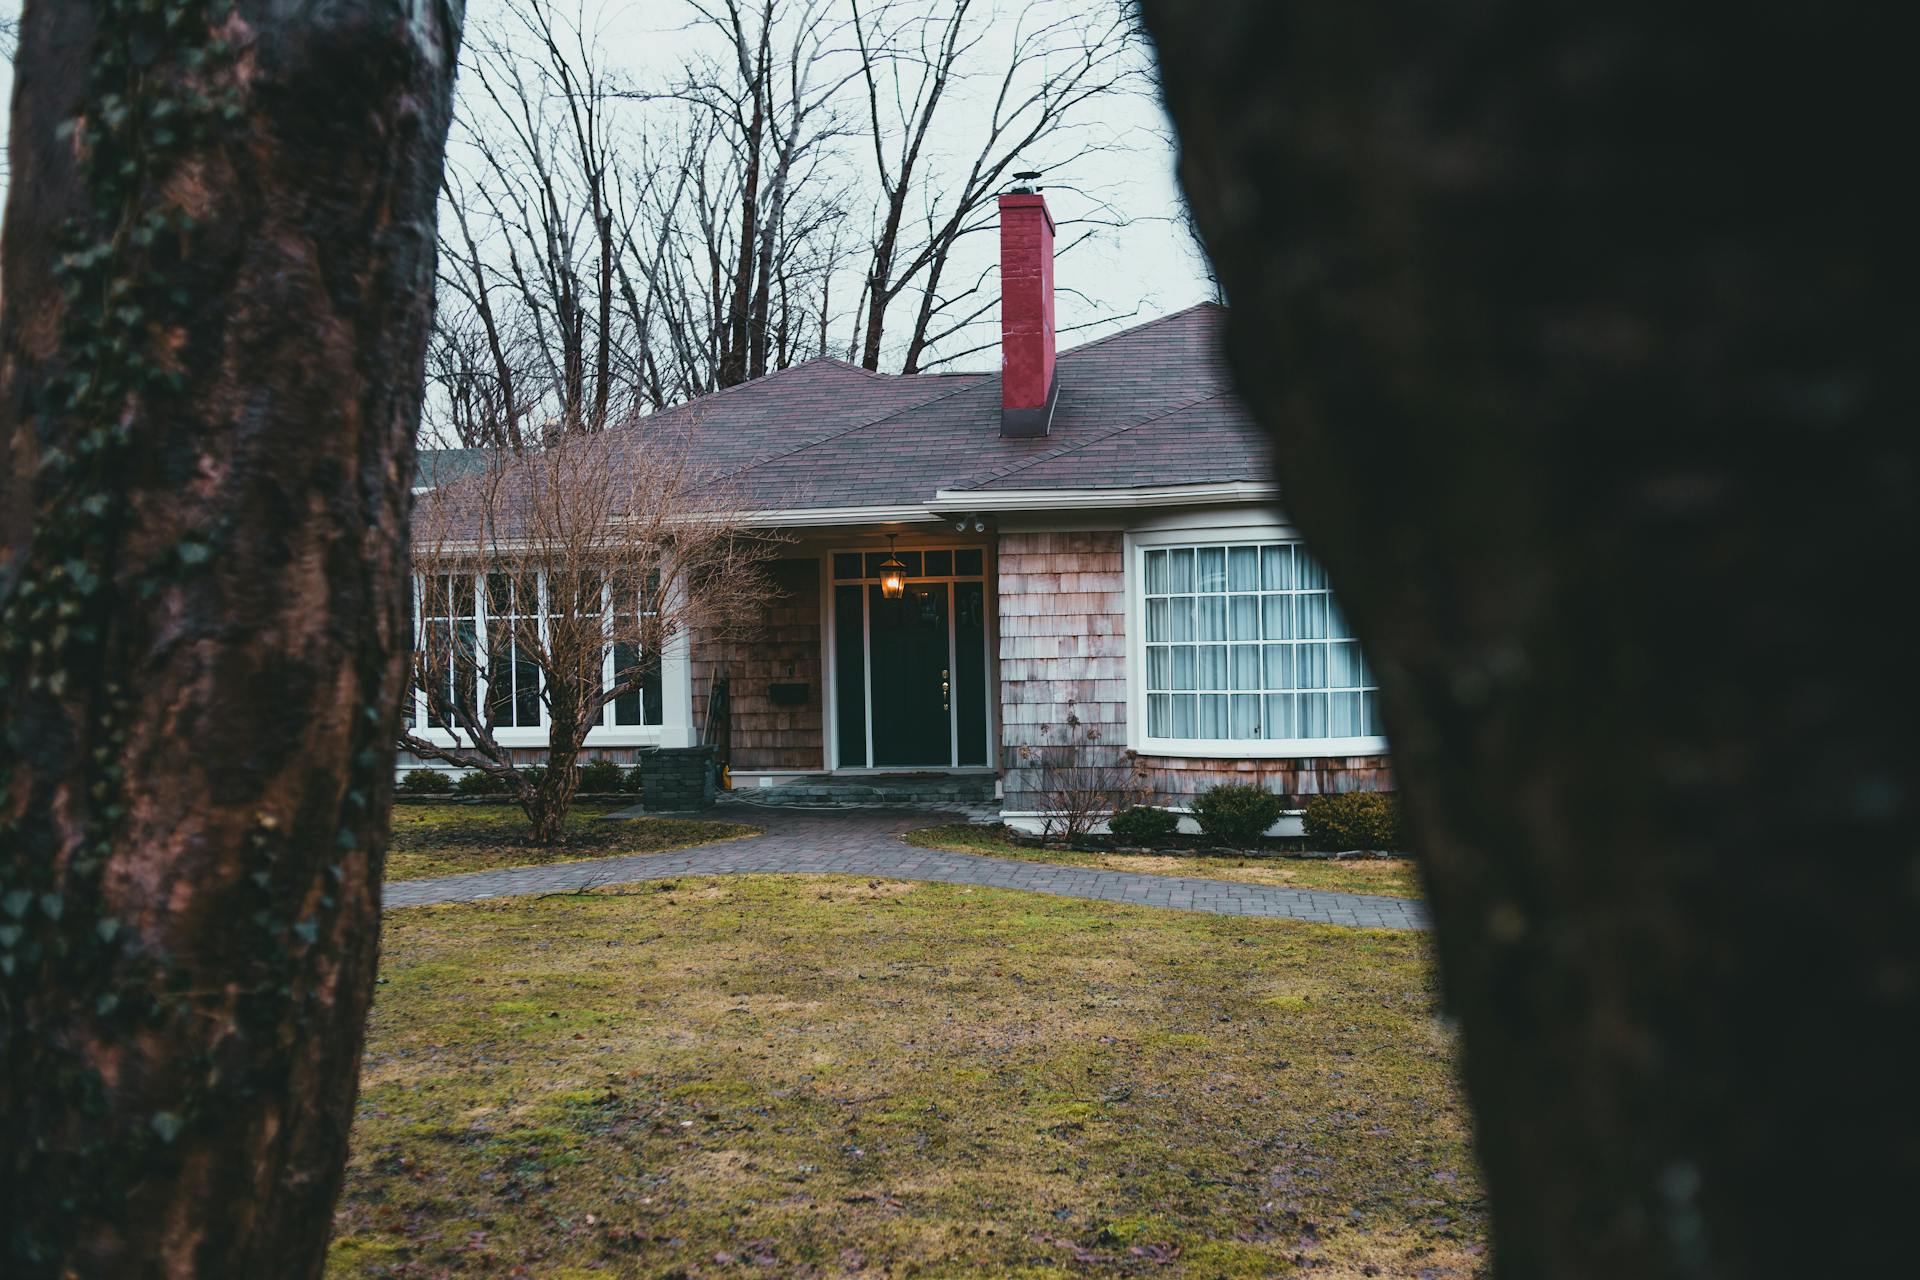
point(478, 782)
point(1079, 779)
point(1354, 820)
point(1143, 824)
point(600, 776)
point(1235, 813)
point(633, 781)
point(425, 782)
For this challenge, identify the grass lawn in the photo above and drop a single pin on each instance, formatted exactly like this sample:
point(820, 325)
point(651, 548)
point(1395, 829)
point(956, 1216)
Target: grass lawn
point(1394, 877)
point(447, 839)
point(811, 1077)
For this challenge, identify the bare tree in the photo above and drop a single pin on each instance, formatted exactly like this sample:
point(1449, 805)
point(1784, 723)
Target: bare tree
point(917, 57)
point(550, 587)
point(218, 258)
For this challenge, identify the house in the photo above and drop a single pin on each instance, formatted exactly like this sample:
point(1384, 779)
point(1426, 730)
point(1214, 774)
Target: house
point(1089, 532)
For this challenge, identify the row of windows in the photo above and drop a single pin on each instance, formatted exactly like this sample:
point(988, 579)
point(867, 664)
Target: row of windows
point(456, 616)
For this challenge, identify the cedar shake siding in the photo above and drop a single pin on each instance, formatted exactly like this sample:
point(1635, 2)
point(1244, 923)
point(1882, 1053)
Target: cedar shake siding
point(1063, 641)
point(783, 649)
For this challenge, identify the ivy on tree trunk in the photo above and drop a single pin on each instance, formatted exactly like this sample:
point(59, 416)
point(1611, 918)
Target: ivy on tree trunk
point(1587, 339)
point(219, 265)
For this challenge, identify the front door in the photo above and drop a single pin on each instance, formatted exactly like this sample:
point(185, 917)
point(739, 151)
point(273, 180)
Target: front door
point(912, 676)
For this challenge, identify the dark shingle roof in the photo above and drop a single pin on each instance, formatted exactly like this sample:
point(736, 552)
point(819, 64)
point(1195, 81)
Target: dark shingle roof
point(435, 467)
point(1146, 407)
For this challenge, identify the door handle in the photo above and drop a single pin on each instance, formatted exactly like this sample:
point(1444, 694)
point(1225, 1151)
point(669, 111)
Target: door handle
point(945, 688)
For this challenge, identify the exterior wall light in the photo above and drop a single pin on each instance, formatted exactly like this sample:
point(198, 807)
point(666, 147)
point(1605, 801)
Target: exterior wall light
point(893, 574)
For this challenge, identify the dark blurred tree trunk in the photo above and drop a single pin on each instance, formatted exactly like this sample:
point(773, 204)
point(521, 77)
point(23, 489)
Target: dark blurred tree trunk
point(1588, 339)
point(219, 269)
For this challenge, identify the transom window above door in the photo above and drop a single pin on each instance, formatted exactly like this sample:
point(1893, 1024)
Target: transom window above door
point(1245, 649)
point(925, 562)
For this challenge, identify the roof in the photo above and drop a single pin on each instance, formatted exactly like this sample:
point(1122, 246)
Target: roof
point(1148, 407)
point(435, 467)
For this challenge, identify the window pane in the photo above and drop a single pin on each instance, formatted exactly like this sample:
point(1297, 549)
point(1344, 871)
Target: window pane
point(1183, 671)
point(1212, 617)
point(1159, 716)
point(1211, 570)
point(873, 562)
point(1246, 617)
point(1158, 632)
point(1278, 620)
point(463, 595)
point(1276, 567)
point(1159, 667)
point(1280, 716)
point(435, 601)
point(1345, 715)
point(1279, 666)
point(1180, 569)
point(1185, 719)
point(1213, 667)
point(1313, 616)
point(846, 564)
point(1313, 715)
point(1246, 667)
point(1243, 568)
point(1213, 716)
point(1180, 612)
point(1311, 663)
point(526, 694)
point(1343, 665)
point(499, 595)
point(967, 562)
point(939, 564)
point(1370, 716)
point(1246, 715)
point(1156, 573)
point(1307, 573)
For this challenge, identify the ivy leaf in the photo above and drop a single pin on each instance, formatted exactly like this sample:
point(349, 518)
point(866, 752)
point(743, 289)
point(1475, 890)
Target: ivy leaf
point(167, 1124)
point(195, 552)
point(107, 928)
point(308, 929)
point(17, 902)
point(52, 905)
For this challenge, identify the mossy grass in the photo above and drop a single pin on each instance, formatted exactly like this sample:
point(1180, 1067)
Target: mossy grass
point(815, 1077)
point(450, 837)
point(1391, 877)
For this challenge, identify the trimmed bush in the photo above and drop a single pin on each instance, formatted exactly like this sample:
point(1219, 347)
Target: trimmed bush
point(1354, 820)
point(600, 776)
point(1235, 813)
point(425, 782)
point(632, 781)
point(476, 782)
point(1143, 824)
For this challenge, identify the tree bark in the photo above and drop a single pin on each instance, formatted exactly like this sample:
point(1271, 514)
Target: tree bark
point(1587, 342)
point(217, 297)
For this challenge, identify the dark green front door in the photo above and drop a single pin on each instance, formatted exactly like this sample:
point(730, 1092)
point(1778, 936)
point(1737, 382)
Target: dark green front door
point(912, 679)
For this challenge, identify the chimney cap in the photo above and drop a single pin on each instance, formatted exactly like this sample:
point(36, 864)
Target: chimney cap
point(1024, 182)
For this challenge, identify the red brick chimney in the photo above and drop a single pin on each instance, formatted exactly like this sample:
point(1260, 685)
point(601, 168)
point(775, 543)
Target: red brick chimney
point(1028, 386)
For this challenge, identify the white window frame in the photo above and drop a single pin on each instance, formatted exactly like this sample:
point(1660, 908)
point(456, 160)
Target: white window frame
point(675, 686)
point(1217, 531)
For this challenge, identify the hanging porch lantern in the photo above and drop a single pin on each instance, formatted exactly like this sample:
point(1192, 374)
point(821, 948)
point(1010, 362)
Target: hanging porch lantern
point(893, 574)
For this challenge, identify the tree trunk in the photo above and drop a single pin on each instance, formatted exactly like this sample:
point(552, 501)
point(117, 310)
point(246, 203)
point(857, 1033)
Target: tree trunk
point(1587, 340)
point(217, 300)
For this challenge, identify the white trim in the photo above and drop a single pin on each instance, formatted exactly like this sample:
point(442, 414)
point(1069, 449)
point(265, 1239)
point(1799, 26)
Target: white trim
point(1134, 545)
point(809, 517)
point(1176, 495)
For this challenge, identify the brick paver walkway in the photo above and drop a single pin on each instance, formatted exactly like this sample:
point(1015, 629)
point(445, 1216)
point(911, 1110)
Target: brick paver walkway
point(860, 842)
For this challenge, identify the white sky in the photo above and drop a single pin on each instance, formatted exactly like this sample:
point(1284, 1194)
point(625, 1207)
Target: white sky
point(1150, 266)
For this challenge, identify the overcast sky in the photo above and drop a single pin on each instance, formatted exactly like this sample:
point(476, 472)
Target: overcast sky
point(1150, 266)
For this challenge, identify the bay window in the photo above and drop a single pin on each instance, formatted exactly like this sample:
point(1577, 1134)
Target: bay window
point(1246, 653)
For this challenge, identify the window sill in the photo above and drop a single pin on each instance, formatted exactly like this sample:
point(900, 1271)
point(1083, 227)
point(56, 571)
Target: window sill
point(1260, 749)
